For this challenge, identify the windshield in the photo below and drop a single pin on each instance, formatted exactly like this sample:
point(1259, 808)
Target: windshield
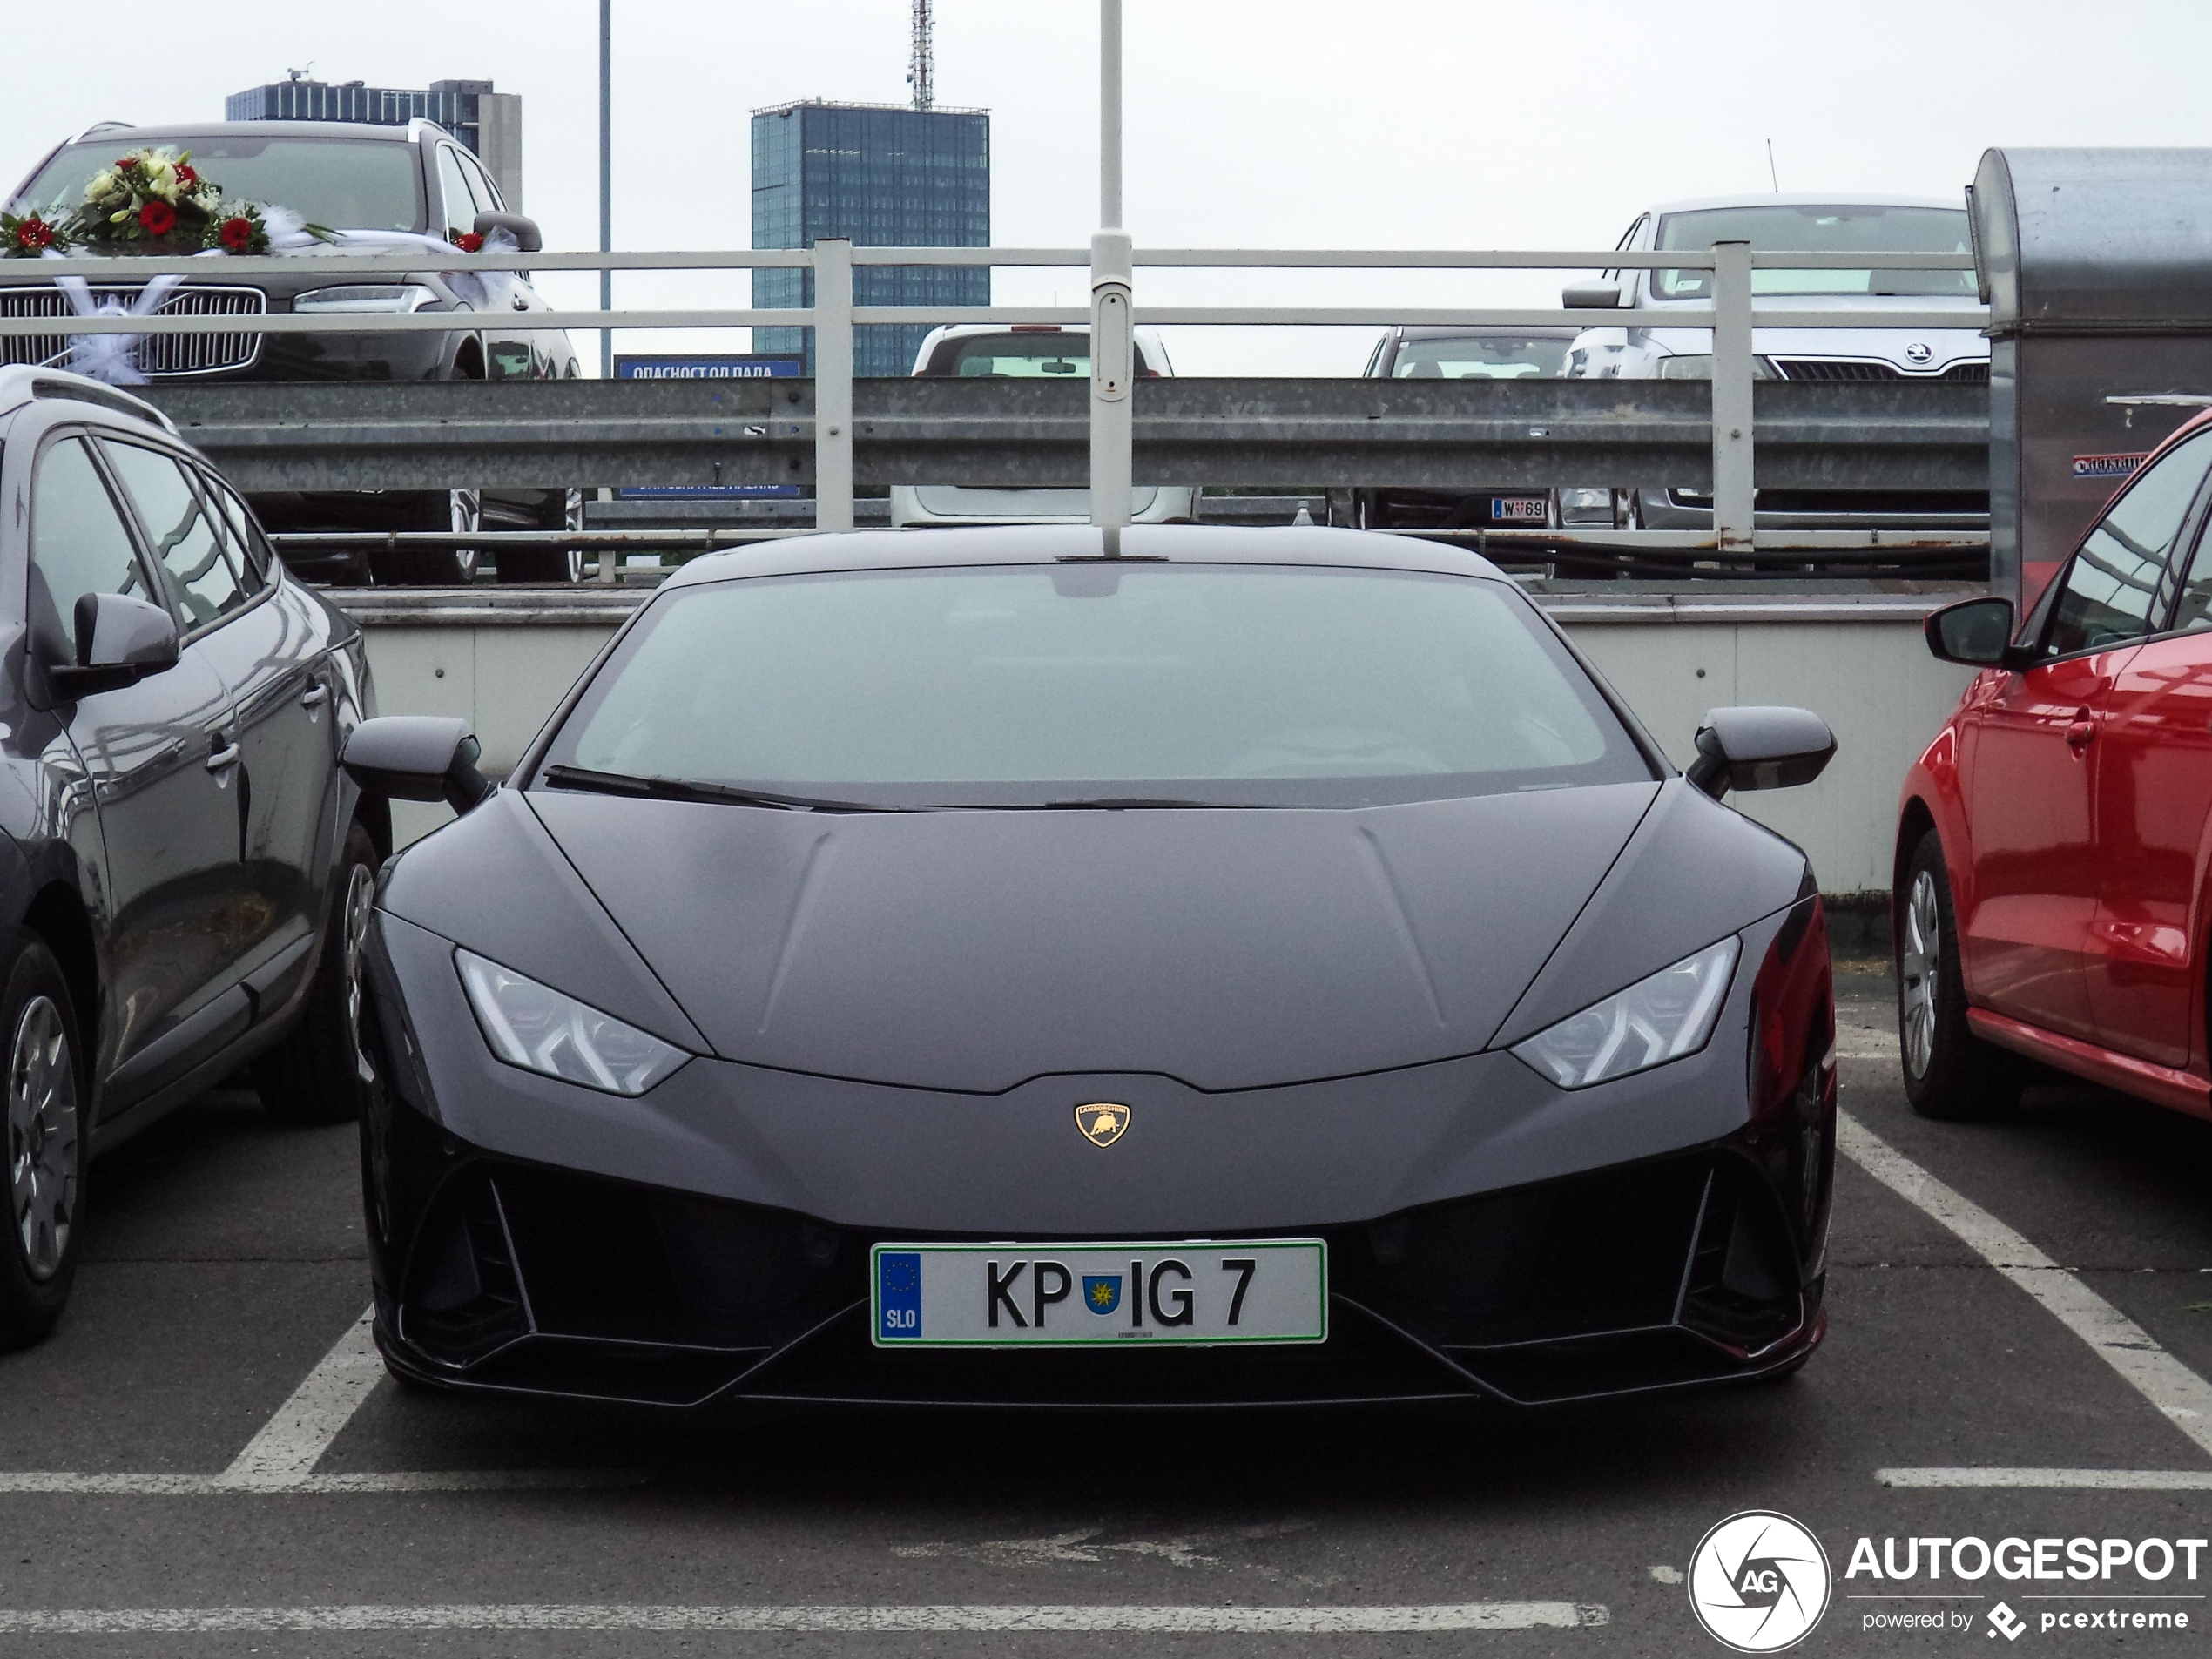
point(1019, 356)
point(1092, 682)
point(1822, 230)
point(1489, 358)
point(348, 184)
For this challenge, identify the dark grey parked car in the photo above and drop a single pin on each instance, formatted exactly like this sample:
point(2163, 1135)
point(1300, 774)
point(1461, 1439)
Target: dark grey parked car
point(184, 872)
point(1432, 352)
point(909, 966)
point(417, 179)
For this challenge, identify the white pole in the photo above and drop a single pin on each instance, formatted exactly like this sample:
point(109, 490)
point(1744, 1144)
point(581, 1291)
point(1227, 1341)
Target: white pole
point(1109, 113)
point(832, 383)
point(1732, 368)
point(1113, 354)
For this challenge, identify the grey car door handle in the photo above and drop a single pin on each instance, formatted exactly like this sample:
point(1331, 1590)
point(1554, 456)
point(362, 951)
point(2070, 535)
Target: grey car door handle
point(315, 696)
point(226, 756)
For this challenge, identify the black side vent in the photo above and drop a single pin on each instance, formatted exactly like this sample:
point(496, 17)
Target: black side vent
point(1742, 1291)
point(463, 1298)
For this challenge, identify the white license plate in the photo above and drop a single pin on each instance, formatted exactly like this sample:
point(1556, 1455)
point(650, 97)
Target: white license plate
point(1518, 510)
point(1059, 1296)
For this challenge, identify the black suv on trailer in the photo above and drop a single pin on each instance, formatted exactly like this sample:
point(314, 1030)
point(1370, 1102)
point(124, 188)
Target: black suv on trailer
point(415, 179)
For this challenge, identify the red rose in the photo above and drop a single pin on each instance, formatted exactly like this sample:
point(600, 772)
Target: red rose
point(186, 177)
point(236, 234)
point(468, 242)
point(34, 232)
point(124, 164)
point(158, 218)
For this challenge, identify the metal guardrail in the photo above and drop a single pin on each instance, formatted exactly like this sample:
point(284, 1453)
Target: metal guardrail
point(1035, 433)
point(824, 442)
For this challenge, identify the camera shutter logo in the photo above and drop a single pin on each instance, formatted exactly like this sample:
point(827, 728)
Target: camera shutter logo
point(1758, 1581)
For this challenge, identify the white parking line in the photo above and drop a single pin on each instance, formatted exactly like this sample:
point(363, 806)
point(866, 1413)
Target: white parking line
point(282, 1457)
point(2052, 1480)
point(69, 1484)
point(1163, 1620)
point(2179, 1394)
point(291, 1443)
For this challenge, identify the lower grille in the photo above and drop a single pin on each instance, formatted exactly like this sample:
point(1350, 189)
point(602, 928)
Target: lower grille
point(157, 354)
point(1832, 370)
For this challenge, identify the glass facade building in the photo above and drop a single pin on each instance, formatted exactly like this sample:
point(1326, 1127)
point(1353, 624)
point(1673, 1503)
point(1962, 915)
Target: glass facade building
point(885, 176)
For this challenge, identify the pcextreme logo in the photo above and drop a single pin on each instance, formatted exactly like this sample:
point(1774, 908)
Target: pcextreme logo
point(1758, 1581)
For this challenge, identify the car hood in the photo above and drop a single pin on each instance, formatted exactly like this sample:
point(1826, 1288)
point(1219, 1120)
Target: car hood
point(975, 950)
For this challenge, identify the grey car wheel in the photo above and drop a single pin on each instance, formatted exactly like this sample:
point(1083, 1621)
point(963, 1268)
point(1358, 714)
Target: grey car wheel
point(43, 1153)
point(45, 1143)
point(1919, 969)
point(320, 1073)
point(1949, 1072)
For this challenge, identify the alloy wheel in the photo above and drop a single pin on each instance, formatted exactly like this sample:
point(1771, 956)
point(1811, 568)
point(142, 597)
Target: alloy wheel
point(361, 893)
point(467, 516)
point(1920, 965)
point(41, 1137)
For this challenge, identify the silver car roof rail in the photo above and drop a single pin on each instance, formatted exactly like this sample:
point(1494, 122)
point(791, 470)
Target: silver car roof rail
point(21, 383)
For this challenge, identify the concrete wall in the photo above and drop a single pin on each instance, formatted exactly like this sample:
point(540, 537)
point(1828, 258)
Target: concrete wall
point(1864, 667)
point(504, 663)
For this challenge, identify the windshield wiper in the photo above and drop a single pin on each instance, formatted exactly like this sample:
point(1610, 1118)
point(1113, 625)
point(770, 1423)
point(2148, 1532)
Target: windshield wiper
point(624, 782)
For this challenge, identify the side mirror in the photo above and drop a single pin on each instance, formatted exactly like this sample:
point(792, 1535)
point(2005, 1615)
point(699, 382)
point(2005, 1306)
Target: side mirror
point(120, 639)
point(1591, 296)
point(528, 238)
point(1760, 748)
point(416, 757)
point(1975, 632)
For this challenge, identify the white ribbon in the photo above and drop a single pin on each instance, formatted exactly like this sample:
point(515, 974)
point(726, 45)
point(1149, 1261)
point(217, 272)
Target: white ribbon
point(111, 358)
point(468, 285)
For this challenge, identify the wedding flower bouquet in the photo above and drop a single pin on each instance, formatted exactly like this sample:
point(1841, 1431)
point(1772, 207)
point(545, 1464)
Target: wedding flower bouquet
point(146, 196)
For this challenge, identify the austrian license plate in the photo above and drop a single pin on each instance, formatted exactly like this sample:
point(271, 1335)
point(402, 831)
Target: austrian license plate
point(1518, 510)
point(1060, 1295)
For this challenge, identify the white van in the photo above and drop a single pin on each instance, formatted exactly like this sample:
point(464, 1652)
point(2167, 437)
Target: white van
point(1028, 351)
point(1640, 345)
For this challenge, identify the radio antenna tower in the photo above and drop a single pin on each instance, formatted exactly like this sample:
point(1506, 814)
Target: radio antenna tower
point(922, 67)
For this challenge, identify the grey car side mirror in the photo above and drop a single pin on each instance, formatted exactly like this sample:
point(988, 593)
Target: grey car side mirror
point(120, 639)
point(416, 757)
point(1760, 748)
point(1976, 633)
point(1591, 296)
point(528, 238)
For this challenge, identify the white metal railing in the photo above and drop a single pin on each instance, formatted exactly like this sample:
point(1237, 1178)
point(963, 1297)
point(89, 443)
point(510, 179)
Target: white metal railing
point(1731, 315)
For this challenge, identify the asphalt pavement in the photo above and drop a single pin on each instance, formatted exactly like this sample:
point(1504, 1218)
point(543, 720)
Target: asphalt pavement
point(206, 1459)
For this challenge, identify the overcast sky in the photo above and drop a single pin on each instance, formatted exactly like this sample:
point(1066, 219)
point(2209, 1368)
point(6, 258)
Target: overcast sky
point(1382, 123)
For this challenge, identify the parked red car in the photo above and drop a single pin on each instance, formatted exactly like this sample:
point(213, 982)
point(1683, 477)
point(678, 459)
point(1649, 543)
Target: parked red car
point(2054, 842)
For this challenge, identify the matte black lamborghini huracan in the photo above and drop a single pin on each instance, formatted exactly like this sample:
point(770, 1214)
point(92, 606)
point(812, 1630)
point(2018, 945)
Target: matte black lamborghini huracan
point(908, 968)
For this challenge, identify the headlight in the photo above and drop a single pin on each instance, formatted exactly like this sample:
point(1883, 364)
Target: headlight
point(537, 1028)
point(1699, 366)
point(1655, 1020)
point(1579, 505)
point(405, 296)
